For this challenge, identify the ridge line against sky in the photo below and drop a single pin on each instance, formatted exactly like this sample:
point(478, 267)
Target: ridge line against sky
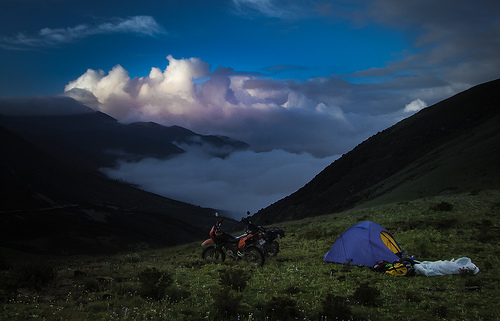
point(312, 78)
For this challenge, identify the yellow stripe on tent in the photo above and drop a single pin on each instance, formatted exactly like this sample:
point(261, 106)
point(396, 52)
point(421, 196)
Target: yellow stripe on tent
point(390, 242)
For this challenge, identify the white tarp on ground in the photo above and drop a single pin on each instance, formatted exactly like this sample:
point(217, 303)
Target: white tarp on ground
point(445, 267)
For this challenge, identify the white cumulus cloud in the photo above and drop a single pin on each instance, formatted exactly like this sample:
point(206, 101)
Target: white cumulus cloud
point(314, 117)
point(415, 106)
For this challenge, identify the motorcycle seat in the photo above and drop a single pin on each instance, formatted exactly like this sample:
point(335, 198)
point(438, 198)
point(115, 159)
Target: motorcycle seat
point(230, 238)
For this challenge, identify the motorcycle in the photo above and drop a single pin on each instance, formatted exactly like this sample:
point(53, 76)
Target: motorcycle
point(266, 239)
point(226, 245)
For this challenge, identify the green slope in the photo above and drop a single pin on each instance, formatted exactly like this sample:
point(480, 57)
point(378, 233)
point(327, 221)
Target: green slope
point(176, 284)
point(451, 146)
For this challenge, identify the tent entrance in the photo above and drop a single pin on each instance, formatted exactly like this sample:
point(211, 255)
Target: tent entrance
point(390, 242)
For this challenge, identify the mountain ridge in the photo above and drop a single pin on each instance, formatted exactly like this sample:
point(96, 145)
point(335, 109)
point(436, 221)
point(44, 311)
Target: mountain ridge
point(54, 198)
point(53, 207)
point(359, 175)
point(93, 140)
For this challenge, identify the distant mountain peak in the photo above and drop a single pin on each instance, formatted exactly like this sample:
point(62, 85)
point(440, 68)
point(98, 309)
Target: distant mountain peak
point(146, 124)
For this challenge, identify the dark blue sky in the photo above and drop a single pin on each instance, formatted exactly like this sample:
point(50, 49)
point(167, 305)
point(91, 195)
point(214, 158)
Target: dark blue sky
point(311, 78)
point(280, 41)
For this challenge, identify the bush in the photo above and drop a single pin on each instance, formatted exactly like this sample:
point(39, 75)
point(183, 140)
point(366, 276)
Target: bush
point(366, 295)
point(441, 311)
point(154, 283)
point(413, 297)
point(485, 236)
point(33, 275)
point(91, 285)
point(445, 223)
point(442, 207)
point(282, 308)
point(336, 308)
point(235, 278)
point(226, 303)
point(176, 294)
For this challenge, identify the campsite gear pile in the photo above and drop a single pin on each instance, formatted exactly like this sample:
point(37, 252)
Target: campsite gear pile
point(369, 244)
point(398, 268)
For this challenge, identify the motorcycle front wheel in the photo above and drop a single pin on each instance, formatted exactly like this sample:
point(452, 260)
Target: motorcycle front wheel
point(213, 254)
point(254, 256)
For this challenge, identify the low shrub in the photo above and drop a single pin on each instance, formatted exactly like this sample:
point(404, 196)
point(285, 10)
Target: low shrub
point(154, 283)
point(441, 311)
point(442, 207)
point(293, 289)
point(226, 302)
point(445, 223)
point(176, 294)
point(366, 295)
point(336, 307)
point(413, 297)
point(91, 285)
point(234, 277)
point(282, 308)
point(33, 275)
point(485, 236)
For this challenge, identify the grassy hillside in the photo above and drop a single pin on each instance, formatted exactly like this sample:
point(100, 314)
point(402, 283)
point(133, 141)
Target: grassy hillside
point(451, 146)
point(175, 284)
point(469, 162)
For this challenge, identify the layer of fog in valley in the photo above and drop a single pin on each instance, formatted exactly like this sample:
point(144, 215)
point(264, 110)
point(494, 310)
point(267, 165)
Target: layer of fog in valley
point(243, 181)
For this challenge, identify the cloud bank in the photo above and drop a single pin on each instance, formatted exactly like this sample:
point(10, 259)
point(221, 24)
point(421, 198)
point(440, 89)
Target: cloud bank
point(244, 181)
point(320, 117)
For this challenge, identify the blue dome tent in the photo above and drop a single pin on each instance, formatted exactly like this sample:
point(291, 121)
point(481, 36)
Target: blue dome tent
point(365, 243)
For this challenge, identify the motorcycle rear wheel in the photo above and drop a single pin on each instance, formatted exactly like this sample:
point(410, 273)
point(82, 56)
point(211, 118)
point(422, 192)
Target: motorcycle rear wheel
point(273, 249)
point(254, 256)
point(213, 254)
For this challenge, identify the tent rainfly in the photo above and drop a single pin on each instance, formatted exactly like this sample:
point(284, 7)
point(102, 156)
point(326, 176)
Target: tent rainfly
point(365, 244)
